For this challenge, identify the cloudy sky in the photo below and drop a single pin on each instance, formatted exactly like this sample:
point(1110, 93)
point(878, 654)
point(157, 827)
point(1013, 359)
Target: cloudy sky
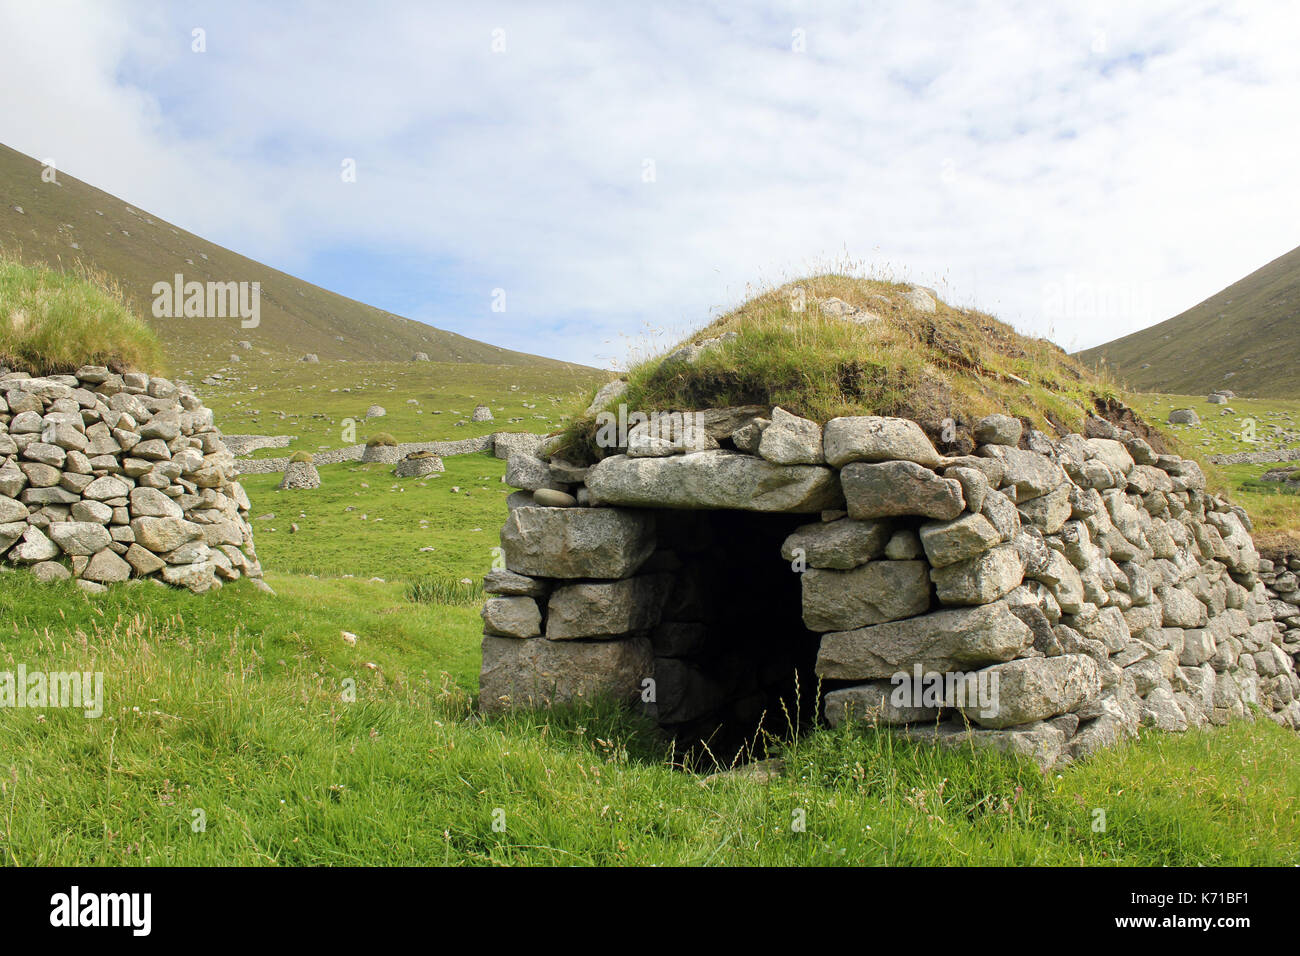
point(625, 170)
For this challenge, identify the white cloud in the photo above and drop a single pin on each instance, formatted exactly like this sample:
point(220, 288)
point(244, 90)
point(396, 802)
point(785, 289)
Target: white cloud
point(1082, 173)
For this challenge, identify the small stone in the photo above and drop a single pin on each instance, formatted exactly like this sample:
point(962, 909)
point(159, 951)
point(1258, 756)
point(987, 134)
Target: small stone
point(106, 568)
point(512, 617)
point(999, 430)
point(948, 542)
point(791, 440)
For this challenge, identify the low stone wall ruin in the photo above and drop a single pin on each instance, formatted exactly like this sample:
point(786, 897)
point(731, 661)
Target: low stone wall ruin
point(1043, 597)
point(503, 443)
point(105, 477)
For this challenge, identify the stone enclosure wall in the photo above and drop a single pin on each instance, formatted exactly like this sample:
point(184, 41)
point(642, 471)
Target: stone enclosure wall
point(1044, 597)
point(106, 476)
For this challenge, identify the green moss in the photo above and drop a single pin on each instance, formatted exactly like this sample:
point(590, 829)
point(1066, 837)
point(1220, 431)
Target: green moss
point(301, 457)
point(381, 438)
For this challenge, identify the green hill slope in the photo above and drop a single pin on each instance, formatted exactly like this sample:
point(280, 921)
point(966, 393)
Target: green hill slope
point(72, 222)
point(1245, 338)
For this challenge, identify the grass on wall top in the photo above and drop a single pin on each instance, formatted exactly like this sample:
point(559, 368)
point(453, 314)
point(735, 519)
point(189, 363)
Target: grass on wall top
point(57, 322)
point(958, 364)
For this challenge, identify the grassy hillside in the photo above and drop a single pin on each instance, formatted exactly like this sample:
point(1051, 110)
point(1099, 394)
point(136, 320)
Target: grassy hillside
point(424, 401)
point(1245, 338)
point(950, 364)
point(72, 222)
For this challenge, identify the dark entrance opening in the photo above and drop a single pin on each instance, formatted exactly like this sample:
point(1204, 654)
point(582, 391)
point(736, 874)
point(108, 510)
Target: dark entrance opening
point(734, 664)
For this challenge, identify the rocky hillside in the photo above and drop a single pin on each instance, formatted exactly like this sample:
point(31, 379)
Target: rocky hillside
point(1243, 338)
point(72, 222)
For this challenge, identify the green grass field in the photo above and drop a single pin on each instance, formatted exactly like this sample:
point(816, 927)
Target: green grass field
point(364, 522)
point(267, 396)
point(226, 739)
point(1228, 429)
point(238, 705)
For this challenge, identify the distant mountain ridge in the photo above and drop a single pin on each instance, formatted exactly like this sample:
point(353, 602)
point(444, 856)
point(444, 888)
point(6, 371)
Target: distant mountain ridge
point(1245, 338)
point(59, 225)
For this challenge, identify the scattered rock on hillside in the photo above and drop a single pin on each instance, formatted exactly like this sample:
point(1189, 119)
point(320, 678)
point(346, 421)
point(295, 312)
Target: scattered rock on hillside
point(1184, 416)
point(923, 300)
point(839, 309)
point(690, 353)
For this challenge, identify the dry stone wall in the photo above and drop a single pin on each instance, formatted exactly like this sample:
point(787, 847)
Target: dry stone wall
point(105, 477)
point(502, 443)
point(1043, 597)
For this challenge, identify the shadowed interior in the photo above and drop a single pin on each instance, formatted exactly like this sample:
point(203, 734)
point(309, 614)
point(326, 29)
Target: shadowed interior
point(733, 660)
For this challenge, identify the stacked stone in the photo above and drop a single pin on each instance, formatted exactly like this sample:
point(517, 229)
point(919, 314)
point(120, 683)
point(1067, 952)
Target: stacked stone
point(300, 476)
point(1281, 577)
point(418, 464)
point(107, 476)
point(1096, 579)
point(569, 613)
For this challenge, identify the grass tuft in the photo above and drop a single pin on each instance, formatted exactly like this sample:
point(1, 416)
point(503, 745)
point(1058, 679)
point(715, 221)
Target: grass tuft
point(54, 322)
point(950, 366)
point(454, 592)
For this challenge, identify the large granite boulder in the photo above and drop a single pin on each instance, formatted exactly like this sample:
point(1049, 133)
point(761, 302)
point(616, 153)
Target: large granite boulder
point(539, 673)
point(713, 479)
point(577, 542)
point(841, 544)
point(897, 488)
point(606, 608)
point(870, 594)
point(948, 640)
point(874, 438)
point(1036, 688)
